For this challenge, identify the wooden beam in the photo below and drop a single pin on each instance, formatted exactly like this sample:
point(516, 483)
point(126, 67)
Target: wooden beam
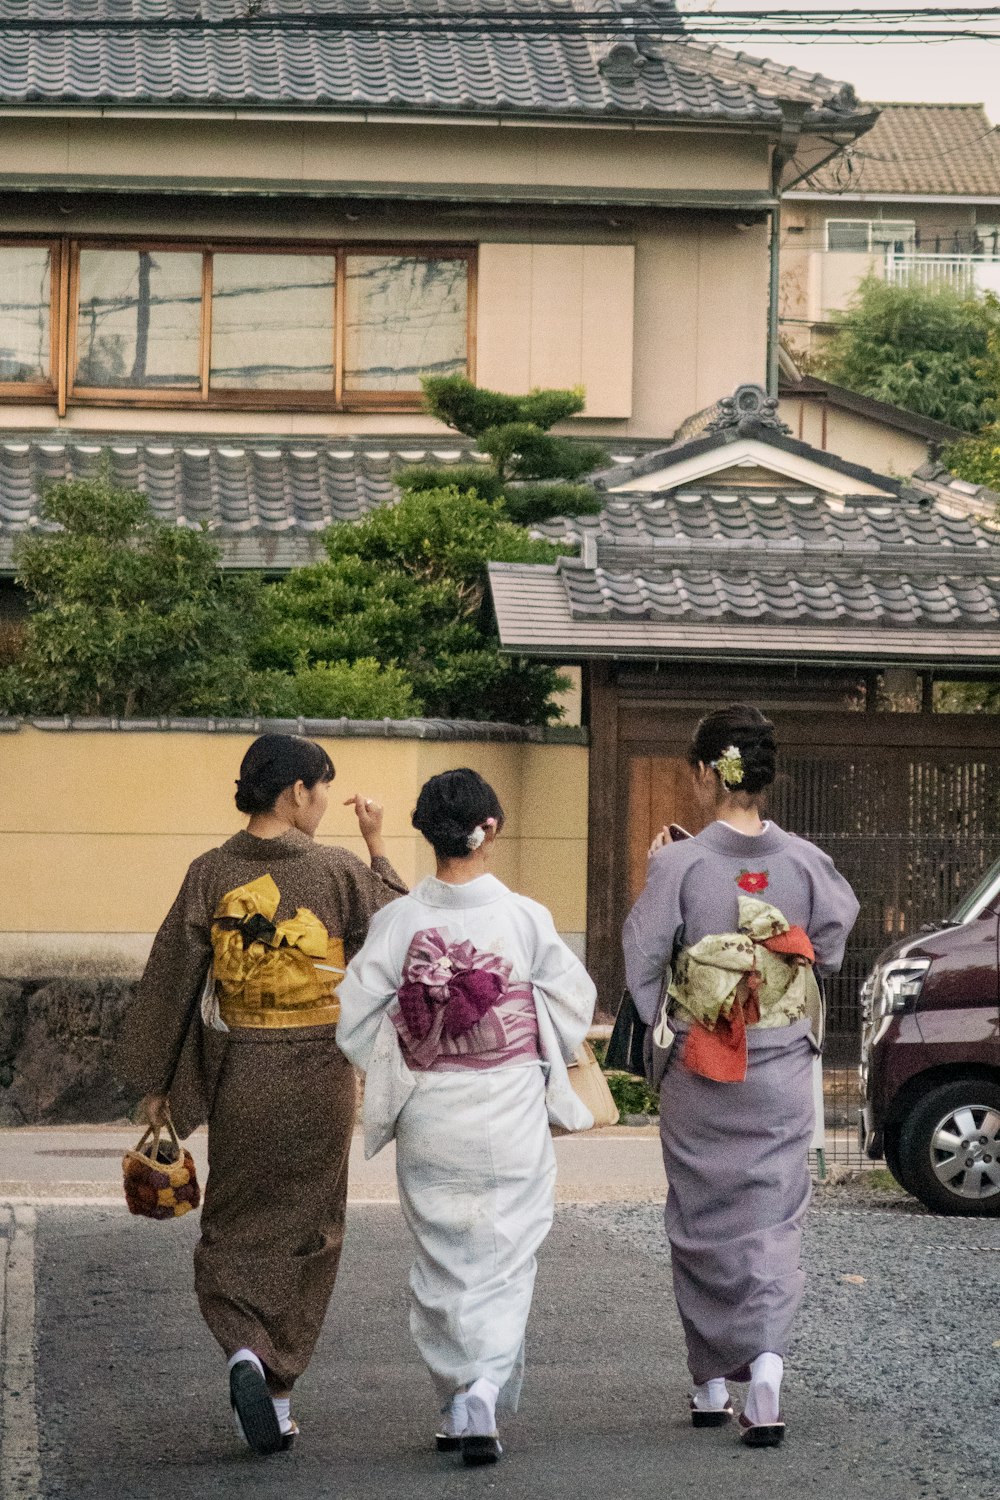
point(607, 840)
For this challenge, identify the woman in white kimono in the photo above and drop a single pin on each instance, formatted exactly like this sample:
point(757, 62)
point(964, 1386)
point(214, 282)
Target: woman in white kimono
point(463, 1007)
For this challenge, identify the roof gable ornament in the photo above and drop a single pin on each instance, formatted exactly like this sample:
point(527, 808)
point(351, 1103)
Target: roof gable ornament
point(623, 63)
point(747, 410)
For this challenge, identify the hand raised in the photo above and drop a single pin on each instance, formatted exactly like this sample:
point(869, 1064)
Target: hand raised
point(661, 841)
point(369, 814)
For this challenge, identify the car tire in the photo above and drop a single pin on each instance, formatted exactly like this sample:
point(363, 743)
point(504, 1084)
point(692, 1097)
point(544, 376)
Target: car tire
point(890, 1150)
point(949, 1148)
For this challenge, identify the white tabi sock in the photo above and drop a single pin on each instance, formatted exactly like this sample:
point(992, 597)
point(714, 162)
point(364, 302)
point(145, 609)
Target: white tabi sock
point(283, 1411)
point(454, 1418)
point(481, 1408)
point(712, 1396)
point(763, 1403)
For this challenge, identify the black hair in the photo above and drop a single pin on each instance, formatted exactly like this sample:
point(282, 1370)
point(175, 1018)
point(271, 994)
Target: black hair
point(274, 762)
point(753, 736)
point(450, 807)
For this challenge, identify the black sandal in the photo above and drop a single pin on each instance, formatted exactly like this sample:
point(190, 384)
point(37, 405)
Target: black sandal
point(251, 1401)
point(762, 1434)
point(479, 1449)
point(717, 1418)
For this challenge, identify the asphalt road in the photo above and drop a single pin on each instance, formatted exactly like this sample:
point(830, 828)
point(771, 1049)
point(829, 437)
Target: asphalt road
point(122, 1392)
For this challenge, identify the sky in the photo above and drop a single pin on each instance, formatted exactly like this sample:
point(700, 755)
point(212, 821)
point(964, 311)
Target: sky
point(923, 71)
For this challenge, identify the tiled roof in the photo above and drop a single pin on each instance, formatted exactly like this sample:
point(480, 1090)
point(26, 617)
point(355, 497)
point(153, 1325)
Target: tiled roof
point(811, 576)
point(750, 591)
point(919, 148)
point(549, 612)
point(267, 502)
point(213, 53)
point(783, 525)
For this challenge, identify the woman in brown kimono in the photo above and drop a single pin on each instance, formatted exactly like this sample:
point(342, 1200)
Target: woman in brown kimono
point(251, 1048)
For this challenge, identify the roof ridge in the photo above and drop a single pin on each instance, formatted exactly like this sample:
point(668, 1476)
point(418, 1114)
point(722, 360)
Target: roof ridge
point(761, 64)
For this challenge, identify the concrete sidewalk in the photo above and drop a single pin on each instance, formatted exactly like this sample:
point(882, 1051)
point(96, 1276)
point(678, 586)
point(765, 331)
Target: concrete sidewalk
point(82, 1163)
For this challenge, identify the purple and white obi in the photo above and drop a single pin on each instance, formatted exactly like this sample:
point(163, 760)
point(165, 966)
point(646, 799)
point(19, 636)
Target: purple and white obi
point(457, 1008)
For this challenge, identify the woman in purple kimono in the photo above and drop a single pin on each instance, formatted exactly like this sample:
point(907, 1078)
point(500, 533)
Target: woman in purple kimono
point(745, 914)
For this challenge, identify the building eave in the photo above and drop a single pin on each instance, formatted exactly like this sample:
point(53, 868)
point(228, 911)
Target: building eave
point(800, 195)
point(727, 199)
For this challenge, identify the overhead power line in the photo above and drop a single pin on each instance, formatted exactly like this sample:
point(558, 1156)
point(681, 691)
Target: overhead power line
point(911, 24)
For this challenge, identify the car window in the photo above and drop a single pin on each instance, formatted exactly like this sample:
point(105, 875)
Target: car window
point(982, 895)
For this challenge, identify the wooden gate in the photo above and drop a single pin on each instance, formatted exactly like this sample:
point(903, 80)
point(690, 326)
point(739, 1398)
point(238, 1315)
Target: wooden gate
point(907, 805)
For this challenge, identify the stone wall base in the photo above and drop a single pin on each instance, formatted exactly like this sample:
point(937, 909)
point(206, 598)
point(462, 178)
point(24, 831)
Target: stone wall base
point(57, 1040)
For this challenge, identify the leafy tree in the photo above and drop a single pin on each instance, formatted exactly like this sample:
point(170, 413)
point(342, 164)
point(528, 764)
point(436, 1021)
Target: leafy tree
point(129, 615)
point(525, 458)
point(976, 459)
point(929, 350)
point(406, 586)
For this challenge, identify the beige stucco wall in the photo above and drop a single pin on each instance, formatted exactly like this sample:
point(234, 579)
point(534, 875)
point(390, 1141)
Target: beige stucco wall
point(666, 310)
point(859, 439)
point(97, 828)
point(313, 152)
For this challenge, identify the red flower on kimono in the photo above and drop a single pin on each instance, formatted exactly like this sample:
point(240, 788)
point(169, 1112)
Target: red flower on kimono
point(752, 881)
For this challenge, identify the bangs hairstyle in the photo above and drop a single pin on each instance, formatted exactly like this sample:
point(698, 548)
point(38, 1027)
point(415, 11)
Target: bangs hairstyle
point(450, 807)
point(277, 761)
point(753, 736)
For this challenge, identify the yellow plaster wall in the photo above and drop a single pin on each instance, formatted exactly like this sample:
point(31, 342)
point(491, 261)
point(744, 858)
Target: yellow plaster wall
point(97, 828)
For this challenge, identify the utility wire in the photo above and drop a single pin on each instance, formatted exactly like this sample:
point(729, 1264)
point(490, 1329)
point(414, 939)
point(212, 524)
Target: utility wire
point(916, 23)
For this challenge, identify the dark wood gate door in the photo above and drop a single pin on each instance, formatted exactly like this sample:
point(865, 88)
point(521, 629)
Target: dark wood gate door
point(907, 805)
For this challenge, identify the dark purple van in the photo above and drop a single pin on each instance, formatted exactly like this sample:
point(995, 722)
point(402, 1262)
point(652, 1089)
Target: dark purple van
point(930, 1058)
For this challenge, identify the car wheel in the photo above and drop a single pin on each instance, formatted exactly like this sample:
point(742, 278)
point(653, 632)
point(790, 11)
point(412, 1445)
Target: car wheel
point(949, 1148)
point(890, 1150)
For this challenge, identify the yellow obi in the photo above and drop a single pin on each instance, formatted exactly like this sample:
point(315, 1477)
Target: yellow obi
point(269, 974)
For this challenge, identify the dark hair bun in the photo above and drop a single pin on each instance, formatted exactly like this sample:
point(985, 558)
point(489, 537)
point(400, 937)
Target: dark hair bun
point(753, 736)
point(450, 807)
point(277, 761)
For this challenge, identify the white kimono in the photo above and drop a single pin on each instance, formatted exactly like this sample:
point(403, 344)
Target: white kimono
point(474, 1157)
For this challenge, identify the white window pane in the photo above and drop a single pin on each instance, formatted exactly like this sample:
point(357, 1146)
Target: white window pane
point(272, 322)
point(139, 323)
point(900, 237)
point(25, 303)
point(405, 317)
point(847, 234)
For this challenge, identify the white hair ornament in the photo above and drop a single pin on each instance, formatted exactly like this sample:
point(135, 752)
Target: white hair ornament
point(478, 835)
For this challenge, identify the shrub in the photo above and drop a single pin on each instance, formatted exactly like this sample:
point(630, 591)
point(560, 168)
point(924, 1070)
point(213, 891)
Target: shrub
point(406, 587)
point(362, 689)
point(929, 350)
point(976, 459)
point(129, 615)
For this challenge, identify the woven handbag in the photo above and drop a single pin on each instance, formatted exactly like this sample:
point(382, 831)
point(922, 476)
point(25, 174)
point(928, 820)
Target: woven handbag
point(591, 1087)
point(159, 1175)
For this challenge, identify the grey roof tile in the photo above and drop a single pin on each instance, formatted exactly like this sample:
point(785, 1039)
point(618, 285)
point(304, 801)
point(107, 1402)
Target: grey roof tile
point(638, 529)
point(221, 56)
point(265, 500)
point(744, 595)
point(534, 610)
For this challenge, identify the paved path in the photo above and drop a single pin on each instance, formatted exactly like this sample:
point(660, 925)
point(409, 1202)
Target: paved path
point(130, 1399)
point(83, 1163)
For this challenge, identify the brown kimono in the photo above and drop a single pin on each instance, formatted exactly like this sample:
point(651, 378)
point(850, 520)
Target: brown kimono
point(276, 919)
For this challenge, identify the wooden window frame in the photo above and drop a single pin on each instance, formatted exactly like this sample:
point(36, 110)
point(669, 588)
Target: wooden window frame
point(48, 391)
point(64, 319)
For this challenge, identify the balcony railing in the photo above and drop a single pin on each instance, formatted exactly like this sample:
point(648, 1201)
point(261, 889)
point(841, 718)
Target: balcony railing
point(964, 273)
